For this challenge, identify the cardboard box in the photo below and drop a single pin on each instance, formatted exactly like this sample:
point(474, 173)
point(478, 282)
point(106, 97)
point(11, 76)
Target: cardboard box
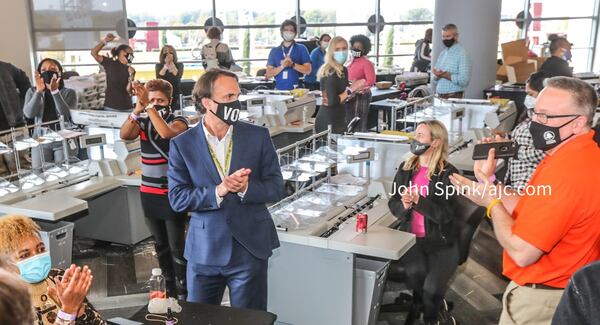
point(517, 64)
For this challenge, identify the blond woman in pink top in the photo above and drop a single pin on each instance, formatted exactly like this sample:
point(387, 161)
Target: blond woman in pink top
point(420, 203)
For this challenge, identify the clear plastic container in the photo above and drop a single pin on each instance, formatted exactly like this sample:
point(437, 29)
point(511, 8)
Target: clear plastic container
point(157, 285)
point(290, 220)
point(344, 190)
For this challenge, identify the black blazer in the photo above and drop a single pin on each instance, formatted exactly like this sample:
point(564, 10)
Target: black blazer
point(438, 211)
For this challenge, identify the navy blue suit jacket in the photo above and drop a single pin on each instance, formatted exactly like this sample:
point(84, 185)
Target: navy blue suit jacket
point(193, 178)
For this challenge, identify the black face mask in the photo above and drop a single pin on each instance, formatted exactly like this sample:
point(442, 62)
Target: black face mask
point(47, 76)
point(448, 42)
point(163, 110)
point(418, 148)
point(129, 58)
point(546, 137)
point(228, 112)
point(356, 53)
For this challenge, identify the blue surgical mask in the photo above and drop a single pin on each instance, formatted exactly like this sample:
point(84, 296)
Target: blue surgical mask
point(567, 55)
point(35, 269)
point(340, 56)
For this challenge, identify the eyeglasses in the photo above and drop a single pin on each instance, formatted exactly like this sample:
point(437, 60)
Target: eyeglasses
point(543, 117)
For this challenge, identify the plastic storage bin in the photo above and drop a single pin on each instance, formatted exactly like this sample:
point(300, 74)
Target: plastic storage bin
point(58, 238)
point(369, 282)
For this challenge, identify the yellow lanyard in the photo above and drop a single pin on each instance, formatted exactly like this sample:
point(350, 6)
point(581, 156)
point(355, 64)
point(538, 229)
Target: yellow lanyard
point(224, 172)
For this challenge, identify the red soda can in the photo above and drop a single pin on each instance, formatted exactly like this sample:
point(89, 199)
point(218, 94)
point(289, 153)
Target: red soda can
point(362, 220)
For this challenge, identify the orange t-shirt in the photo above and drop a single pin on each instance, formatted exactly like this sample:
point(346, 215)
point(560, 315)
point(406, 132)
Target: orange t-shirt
point(563, 223)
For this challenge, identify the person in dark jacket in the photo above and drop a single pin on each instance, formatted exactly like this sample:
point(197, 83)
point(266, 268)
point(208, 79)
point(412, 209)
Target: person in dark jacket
point(422, 207)
point(558, 64)
point(422, 58)
point(580, 301)
point(14, 83)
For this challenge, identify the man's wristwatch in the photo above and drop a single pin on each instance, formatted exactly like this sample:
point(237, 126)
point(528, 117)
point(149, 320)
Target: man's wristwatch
point(348, 91)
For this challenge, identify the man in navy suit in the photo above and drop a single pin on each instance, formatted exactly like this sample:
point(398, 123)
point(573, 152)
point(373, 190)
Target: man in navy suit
point(224, 172)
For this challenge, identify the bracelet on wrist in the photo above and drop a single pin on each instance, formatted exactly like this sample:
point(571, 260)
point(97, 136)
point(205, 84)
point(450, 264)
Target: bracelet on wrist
point(133, 116)
point(491, 206)
point(492, 180)
point(66, 316)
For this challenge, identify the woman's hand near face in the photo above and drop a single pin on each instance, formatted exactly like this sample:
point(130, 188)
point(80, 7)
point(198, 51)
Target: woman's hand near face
point(39, 83)
point(142, 94)
point(54, 83)
point(168, 59)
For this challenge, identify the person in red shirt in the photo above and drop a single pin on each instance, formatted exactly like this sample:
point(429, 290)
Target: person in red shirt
point(550, 229)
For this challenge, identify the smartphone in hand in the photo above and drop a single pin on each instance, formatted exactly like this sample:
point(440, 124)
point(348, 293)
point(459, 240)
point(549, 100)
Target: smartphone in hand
point(505, 149)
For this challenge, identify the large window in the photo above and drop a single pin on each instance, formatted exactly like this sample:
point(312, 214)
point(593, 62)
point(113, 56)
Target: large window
point(251, 28)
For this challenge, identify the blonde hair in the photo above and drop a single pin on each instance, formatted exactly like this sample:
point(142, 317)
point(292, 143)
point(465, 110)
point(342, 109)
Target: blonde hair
point(331, 65)
point(440, 153)
point(13, 230)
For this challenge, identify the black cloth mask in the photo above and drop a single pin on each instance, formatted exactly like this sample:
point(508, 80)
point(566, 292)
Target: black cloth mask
point(449, 42)
point(130, 58)
point(356, 53)
point(418, 148)
point(547, 137)
point(47, 76)
point(228, 112)
point(163, 110)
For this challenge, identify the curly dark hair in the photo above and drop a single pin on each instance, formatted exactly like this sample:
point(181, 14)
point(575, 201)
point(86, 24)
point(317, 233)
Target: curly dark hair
point(536, 80)
point(364, 40)
point(61, 83)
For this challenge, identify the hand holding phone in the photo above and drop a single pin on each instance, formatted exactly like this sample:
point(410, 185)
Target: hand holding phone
point(503, 149)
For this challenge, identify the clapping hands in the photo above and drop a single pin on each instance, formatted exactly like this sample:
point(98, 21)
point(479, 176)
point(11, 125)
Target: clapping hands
point(72, 288)
point(235, 183)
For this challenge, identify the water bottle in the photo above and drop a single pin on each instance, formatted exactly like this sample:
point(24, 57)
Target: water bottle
point(158, 288)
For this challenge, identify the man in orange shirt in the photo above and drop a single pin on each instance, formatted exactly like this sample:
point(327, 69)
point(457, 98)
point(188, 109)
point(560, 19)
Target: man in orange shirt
point(552, 229)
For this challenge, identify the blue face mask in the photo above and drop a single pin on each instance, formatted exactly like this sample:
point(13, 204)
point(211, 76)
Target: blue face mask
point(35, 269)
point(567, 55)
point(340, 56)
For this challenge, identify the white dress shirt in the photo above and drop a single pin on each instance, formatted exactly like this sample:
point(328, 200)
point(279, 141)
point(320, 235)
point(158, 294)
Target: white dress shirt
point(219, 148)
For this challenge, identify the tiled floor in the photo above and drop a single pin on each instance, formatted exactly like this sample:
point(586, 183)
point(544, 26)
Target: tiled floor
point(120, 273)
